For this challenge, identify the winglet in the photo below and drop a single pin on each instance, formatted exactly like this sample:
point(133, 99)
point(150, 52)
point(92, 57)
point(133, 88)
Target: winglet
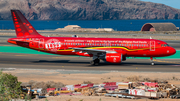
point(22, 26)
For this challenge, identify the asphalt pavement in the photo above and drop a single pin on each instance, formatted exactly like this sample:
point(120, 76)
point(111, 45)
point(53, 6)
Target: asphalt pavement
point(35, 61)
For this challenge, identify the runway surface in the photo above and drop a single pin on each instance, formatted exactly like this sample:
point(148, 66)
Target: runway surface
point(35, 61)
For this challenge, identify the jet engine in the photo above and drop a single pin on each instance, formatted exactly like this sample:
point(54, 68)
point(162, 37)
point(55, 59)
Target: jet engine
point(114, 57)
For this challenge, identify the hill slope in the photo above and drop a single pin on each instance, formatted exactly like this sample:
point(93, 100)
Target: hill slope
point(88, 9)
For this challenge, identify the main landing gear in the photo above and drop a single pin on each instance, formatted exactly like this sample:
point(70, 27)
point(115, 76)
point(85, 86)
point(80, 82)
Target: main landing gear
point(95, 62)
point(152, 62)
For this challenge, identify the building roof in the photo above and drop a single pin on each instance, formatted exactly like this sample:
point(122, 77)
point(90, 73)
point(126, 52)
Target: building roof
point(159, 27)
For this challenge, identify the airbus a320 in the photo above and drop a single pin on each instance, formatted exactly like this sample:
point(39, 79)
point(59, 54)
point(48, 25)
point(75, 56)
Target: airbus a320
point(113, 50)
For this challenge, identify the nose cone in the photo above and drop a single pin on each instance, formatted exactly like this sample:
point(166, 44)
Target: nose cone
point(172, 51)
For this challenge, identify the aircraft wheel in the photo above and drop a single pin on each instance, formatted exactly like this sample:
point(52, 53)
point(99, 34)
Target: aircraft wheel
point(95, 62)
point(152, 63)
point(92, 62)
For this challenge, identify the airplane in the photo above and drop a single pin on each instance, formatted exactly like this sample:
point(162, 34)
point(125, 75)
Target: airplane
point(113, 50)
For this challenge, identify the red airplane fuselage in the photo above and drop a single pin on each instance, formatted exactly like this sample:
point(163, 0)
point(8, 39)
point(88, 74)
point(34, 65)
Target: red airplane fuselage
point(126, 46)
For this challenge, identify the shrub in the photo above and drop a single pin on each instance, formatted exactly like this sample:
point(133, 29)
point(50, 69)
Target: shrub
point(10, 88)
point(87, 82)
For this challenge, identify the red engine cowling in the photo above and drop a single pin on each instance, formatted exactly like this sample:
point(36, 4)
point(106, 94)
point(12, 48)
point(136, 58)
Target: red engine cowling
point(113, 57)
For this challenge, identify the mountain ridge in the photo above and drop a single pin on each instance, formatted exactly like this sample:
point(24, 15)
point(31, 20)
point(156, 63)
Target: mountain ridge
point(87, 9)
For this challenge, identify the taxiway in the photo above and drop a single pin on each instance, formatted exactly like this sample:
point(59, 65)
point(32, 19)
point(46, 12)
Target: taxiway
point(35, 61)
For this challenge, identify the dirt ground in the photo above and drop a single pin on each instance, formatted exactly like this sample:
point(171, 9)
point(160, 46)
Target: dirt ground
point(70, 78)
point(75, 77)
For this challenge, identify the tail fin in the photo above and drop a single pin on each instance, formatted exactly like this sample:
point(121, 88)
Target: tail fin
point(22, 26)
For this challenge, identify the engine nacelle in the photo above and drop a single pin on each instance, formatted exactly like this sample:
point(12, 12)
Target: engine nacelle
point(113, 57)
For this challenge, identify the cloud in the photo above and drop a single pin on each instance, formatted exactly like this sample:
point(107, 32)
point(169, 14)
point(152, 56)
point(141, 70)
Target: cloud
point(172, 3)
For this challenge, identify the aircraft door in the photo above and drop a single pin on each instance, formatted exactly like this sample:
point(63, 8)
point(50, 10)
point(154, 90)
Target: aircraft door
point(65, 45)
point(152, 45)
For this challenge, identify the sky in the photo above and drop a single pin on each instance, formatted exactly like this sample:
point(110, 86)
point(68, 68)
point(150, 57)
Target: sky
point(172, 3)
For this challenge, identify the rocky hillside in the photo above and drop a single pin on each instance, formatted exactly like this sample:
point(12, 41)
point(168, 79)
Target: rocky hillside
point(87, 9)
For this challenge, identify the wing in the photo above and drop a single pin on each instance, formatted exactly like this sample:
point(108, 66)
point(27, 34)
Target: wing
point(92, 51)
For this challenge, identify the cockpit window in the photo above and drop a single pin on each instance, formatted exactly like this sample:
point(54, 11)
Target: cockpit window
point(164, 45)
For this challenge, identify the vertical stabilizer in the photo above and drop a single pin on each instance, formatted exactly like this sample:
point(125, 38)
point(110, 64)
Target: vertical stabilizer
point(22, 26)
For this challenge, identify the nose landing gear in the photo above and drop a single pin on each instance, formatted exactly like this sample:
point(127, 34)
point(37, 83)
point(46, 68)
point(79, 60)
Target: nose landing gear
point(152, 62)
